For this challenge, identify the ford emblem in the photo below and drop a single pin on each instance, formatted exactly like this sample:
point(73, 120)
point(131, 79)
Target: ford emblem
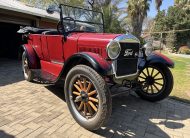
point(128, 52)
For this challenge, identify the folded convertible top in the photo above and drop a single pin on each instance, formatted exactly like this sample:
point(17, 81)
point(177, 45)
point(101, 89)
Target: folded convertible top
point(33, 30)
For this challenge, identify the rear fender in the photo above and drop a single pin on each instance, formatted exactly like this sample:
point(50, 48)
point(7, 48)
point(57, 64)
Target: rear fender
point(156, 58)
point(93, 60)
point(31, 55)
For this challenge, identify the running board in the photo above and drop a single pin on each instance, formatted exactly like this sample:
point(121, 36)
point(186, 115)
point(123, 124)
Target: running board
point(43, 76)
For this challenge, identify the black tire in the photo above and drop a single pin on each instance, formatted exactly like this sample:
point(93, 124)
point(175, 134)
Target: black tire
point(166, 88)
point(104, 107)
point(28, 74)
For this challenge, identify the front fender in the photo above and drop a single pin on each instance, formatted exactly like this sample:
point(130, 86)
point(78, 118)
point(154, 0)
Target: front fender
point(156, 58)
point(31, 55)
point(99, 64)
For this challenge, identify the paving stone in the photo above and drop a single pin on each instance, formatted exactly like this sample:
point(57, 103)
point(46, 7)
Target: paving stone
point(34, 110)
point(18, 127)
point(14, 133)
point(37, 132)
point(148, 135)
point(4, 122)
point(75, 127)
point(84, 132)
point(25, 133)
point(64, 128)
point(52, 129)
point(32, 125)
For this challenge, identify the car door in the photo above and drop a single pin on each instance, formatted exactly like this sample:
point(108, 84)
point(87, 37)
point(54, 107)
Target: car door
point(36, 43)
point(45, 48)
point(55, 49)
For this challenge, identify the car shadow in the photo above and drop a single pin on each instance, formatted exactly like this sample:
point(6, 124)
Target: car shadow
point(180, 99)
point(9, 71)
point(3, 134)
point(56, 90)
point(133, 117)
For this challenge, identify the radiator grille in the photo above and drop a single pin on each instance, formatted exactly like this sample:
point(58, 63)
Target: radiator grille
point(126, 64)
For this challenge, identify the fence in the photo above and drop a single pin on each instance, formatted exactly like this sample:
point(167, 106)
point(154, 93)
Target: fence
point(161, 40)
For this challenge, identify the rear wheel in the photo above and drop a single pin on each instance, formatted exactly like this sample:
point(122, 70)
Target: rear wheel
point(28, 75)
point(156, 83)
point(88, 97)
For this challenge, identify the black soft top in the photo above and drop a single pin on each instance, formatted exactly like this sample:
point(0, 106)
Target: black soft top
point(33, 30)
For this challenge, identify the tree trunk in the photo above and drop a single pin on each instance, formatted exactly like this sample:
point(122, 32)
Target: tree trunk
point(137, 27)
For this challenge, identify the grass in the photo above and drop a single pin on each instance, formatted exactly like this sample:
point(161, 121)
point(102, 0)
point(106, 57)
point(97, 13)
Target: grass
point(181, 73)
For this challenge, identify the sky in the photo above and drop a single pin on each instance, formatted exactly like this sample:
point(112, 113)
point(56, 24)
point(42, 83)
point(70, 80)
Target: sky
point(165, 5)
point(153, 12)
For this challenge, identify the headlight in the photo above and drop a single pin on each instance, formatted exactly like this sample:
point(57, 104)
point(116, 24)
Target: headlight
point(113, 49)
point(148, 49)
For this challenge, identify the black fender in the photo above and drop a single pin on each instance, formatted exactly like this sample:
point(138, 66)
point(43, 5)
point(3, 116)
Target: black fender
point(156, 58)
point(93, 60)
point(31, 55)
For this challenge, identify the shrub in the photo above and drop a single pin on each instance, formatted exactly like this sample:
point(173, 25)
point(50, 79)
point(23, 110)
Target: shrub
point(184, 50)
point(171, 42)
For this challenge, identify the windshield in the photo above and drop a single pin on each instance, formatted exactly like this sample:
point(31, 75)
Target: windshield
point(84, 20)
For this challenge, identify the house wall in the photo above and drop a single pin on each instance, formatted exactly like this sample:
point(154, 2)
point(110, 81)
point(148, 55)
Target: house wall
point(47, 24)
point(10, 23)
point(26, 20)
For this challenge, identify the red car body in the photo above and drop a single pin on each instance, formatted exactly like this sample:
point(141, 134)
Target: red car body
point(52, 51)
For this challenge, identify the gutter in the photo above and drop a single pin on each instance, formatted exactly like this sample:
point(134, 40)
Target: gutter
point(28, 12)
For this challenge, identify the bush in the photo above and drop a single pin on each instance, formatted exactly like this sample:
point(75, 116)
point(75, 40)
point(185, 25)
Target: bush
point(157, 47)
point(184, 50)
point(171, 42)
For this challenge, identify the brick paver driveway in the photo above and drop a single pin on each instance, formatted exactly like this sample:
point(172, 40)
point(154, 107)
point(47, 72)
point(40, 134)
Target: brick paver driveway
point(34, 110)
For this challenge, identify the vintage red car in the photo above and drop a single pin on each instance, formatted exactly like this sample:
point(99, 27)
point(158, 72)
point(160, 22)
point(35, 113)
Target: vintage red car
point(88, 63)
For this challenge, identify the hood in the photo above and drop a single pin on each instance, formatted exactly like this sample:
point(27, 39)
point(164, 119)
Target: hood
point(97, 42)
point(95, 39)
point(102, 39)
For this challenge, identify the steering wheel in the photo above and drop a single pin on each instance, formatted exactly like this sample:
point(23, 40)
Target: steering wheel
point(66, 27)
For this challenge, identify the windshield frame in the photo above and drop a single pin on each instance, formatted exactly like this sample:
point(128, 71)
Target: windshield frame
point(61, 16)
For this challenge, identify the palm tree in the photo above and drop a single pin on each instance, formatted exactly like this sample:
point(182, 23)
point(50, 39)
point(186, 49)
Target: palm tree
point(137, 11)
point(181, 2)
point(158, 4)
point(111, 14)
point(185, 4)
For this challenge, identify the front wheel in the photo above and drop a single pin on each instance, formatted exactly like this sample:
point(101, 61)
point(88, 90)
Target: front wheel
point(156, 83)
point(88, 97)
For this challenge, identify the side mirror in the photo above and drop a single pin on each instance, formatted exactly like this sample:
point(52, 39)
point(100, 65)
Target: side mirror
point(51, 9)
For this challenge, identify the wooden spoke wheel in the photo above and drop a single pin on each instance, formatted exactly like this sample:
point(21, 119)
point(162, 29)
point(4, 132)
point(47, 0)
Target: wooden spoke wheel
point(85, 97)
point(156, 82)
point(88, 97)
point(28, 75)
point(25, 66)
point(152, 80)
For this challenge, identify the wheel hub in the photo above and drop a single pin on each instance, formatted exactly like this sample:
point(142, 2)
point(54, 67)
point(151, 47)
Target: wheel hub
point(150, 80)
point(84, 96)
